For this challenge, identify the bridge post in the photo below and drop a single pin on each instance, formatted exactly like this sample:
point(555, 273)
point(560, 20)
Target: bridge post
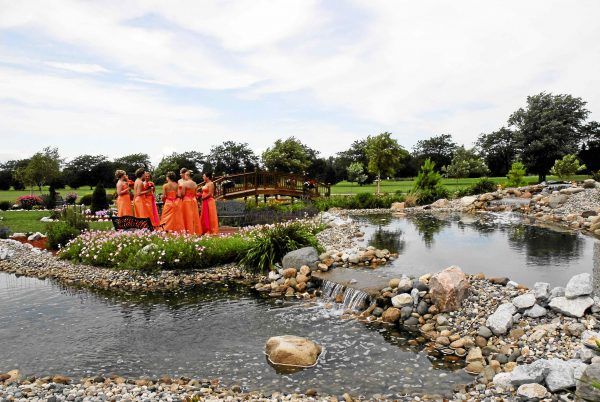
point(245, 182)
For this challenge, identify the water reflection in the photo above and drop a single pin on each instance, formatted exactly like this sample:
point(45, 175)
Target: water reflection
point(495, 244)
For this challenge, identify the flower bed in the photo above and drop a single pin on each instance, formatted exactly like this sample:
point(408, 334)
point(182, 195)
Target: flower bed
point(151, 251)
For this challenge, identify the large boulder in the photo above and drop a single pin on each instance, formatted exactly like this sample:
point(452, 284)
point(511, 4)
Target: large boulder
point(579, 285)
point(304, 256)
point(502, 319)
point(449, 288)
point(571, 307)
point(295, 351)
point(585, 389)
point(589, 183)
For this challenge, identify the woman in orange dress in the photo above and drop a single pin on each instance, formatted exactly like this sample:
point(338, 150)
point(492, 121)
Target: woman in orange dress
point(189, 204)
point(208, 217)
point(172, 215)
point(123, 197)
point(151, 198)
point(141, 207)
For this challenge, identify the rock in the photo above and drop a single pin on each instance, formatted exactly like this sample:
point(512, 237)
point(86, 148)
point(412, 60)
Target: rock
point(474, 368)
point(474, 355)
point(468, 200)
point(532, 391)
point(579, 285)
point(394, 282)
point(587, 214)
point(575, 329)
point(449, 288)
point(35, 236)
point(289, 272)
point(556, 200)
point(536, 311)
point(541, 291)
point(589, 183)
point(273, 276)
point(405, 312)
point(397, 207)
point(502, 380)
point(305, 256)
point(292, 350)
point(378, 312)
point(61, 379)
point(305, 269)
point(502, 281)
point(530, 373)
point(557, 292)
point(391, 315)
point(524, 301)
point(585, 390)
point(405, 285)
point(401, 300)
point(571, 190)
point(571, 307)
point(563, 374)
point(485, 332)
point(502, 319)
point(441, 203)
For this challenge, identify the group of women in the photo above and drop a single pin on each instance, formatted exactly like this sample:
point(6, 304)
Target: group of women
point(180, 203)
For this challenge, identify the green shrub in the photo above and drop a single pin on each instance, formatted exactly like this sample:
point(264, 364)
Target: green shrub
point(358, 201)
point(5, 205)
point(59, 234)
point(86, 200)
point(74, 218)
point(99, 200)
point(516, 175)
point(428, 184)
point(49, 200)
point(483, 185)
point(270, 244)
point(567, 167)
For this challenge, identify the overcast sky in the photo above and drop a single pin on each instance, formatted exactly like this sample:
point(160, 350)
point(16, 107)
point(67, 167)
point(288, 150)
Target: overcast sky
point(161, 76)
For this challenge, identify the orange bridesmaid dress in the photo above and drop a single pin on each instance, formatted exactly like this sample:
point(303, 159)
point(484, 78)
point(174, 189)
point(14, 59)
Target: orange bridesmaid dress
point(141, 206)
point(208, 217)
point(191, 217)
point(172, 216)
point(151, 205)
point(124, 207)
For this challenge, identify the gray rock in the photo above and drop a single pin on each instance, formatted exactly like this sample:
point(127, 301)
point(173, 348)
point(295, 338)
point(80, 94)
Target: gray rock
point(524, 301)
point(422, 308)
point(571, 307)
point(589, 183)
point(562, 374)
point(502, 380)
point(304, 256)
point(585, 390)
point(502, 320)
point(484, 331)
point(558, 291)
point(585, 354)
point(571, 190)
point(529, 373)
point(536, 311)
point(556, 200)
point(405, 312)
point(541, 291)
point(579, 285)
point(405, 285)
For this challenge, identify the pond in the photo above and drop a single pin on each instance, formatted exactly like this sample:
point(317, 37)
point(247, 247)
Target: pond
point(215, 332)
point(495, 244)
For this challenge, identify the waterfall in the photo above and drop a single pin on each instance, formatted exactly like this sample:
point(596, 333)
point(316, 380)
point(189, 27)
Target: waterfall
point(515, 202)
point(353, 299)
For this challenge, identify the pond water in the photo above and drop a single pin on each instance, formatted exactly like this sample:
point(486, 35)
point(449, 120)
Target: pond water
point(495, 244)
point(216, 332)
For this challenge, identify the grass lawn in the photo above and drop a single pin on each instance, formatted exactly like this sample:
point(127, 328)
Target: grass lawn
point(12, 195)
point(391, 186)
point(29, 221)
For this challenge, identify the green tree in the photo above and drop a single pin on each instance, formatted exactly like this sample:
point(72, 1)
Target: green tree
point(84, 171)
point(516, 175)
point(385, 156)
point(192, 160)
point(590, 149)
point(99, 200)
point(466, 163)
point(356, 153)
point(567, 167)
point(440, 149)
point(14, 167)
point(42, 168)
point(549, 127)
point(499, 149)
point(231, 157)
point(5, 179)
point(289, 156)
point(130, 163)
point(356, 173)
point(428, 184)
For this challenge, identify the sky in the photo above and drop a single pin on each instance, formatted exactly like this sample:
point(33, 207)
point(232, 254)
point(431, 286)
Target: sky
point(119, 77)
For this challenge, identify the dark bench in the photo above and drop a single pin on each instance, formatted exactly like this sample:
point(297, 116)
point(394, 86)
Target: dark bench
point(131, 223)
point(232, 211)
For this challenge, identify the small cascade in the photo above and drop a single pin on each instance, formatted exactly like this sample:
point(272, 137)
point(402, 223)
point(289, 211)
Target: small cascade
point(353, 299)
point(514, 202)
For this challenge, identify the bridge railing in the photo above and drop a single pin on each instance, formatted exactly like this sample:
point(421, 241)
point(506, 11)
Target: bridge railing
point(263, 182)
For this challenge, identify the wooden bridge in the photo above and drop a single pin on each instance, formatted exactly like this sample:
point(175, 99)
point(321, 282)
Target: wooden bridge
point(256, 183)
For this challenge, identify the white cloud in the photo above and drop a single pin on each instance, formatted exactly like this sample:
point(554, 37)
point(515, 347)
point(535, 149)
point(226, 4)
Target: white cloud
point(83, 68)
point(412, 68)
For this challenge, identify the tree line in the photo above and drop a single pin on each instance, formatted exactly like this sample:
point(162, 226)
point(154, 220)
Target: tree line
point(546, 129)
